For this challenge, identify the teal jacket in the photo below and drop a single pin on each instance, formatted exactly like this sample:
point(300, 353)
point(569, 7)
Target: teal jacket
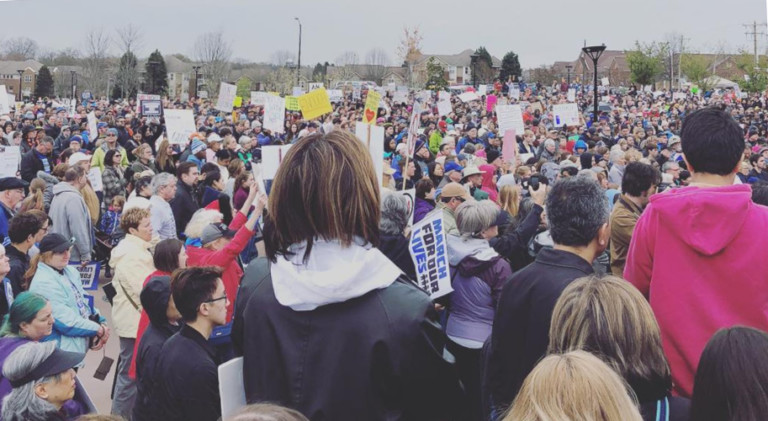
point(71, 329)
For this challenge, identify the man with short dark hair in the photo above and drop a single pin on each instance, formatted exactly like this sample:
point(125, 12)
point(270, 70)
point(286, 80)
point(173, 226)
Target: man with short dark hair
point(638, 184)
point(577, 209)
point(37, 159)
point(187, 370)
point(698, 252)
point(25, 229)
point(184, 204)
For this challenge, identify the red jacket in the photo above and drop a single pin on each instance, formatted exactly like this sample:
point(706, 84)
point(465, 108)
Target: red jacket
point(225, 258)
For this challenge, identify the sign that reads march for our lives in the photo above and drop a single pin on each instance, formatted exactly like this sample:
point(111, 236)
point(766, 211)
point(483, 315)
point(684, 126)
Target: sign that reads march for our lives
point(430, 256)
point(89, 274)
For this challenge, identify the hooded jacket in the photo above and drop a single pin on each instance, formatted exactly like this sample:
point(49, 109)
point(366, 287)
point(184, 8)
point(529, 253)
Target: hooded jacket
point(50, 181)
point(489, 186)
point(132, 261)
point(698, 255)
point(184, 206)
point(154, 299)
point(71, 219)
point(342, 337)
point(478, 274)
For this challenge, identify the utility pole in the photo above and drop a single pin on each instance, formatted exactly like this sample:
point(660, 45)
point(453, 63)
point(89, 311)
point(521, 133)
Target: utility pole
point(755, 33)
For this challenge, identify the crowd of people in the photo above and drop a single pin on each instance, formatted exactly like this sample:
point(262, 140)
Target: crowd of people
point(608, 270)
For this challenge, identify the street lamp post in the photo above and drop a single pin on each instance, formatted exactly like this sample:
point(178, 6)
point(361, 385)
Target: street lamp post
point(594, 52)
point(298, 68)
point(473, 62)
point(74, 93)
point(21, 73)
point(568, 68)
point(197, 71)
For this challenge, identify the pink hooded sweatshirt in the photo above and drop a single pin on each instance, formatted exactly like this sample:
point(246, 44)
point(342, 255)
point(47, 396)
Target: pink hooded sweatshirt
point(699, 256)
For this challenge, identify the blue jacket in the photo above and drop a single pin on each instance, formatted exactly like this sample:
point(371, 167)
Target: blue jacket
point(71, 328)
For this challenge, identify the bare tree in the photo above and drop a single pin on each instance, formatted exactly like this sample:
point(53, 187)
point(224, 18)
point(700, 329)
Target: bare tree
point(409, 50)
point(213, 52)
point(347, 58)
point(20, 48)
point(377, 61)
point(95, 61)
point(129, 38)
point(128, 76)
point(282, 57)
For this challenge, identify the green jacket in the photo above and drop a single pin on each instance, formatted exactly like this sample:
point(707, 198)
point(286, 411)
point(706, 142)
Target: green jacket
point(435, 139)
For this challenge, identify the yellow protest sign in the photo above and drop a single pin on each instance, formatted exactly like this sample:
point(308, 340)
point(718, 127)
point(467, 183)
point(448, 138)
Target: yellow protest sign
point(371, 107)
point(315, 104)
point(292, 103)
point(238, 101)
point(234, 116)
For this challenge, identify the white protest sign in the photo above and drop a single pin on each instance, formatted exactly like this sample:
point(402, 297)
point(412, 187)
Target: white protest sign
point(375, 145)
point(510, 117)
point(94, 176)
point(482, 89)
point(89, 274)
point(566, 115)
point(93, 131)
point(400, 97)
point(571, 95)
point(297, 91)
point(72, 108)
point(271, 158)
point(258, 98)
point(274, 114)
point(678, 95)
point(430, 255)
point(413, 128)
point(604, 81)
point(469, 96)
point(315, 85)
point(356, 93)
point(143, 97)
point(226, 100)
point(514, 91)
point(444, 107)
point(10, 158)
point(444, 95)
point(335, 95)
point(5, 104)
point(231, 387)
point(179, 125)
point(425, 95)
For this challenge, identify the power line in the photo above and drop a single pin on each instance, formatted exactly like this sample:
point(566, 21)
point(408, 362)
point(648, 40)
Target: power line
point(755, 34)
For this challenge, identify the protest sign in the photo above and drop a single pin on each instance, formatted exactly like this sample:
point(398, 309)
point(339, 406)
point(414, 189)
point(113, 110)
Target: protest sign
point(238, 102)
point(93, 131)
point(231, 387)
point(274, 114)
point(315, 104)
point(444, 107)
point(482, 89)
point(604, 81)
point(10, 158)
point(89, 274)
point(469, 96)
point(413, 129)
point(536, 106)
point(179, 125)
point(410, 199)
point(444, 95)
point(335, 95)
point(425, 96)
point(271, 158)
point(145, 97)
point(400, 97)
point(373, 138)
point(297, 91)
point(356, 93)
point(72, 108)
point(509, 146)
point(510, 117)
point(226, 100)
point(94, 176)
point(571, 95)
point(315, 85)
point(152, 108)
point(292, 103)
point(371, 107)
point(678, 95)
point(258, 98)
point(566, 115)
point(490, 102)
point(430, 255)
point(514, 91)
point(5, 104)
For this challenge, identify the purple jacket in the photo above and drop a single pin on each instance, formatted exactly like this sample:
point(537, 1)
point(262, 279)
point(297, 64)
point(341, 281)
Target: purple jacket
point(478, 273)
point(421, 209)
point(7, 346)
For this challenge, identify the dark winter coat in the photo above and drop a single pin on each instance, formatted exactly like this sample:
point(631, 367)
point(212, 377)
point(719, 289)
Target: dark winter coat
point(395, 247)
point(184, 205)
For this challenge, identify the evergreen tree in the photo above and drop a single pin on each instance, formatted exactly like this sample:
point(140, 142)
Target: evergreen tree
point(510, 67)
point(435, 76)
point(484, 72)
point(44, 87)
point(156, 79)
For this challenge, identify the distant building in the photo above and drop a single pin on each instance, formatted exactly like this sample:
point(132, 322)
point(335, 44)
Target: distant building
point(9, 76)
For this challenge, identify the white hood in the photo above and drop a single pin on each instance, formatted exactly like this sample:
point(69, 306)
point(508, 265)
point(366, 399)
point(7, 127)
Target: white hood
point(333, 274)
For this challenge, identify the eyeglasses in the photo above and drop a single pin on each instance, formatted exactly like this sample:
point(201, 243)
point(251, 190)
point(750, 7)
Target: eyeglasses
point(213, 300)
point(111, 135)
point(462, 200)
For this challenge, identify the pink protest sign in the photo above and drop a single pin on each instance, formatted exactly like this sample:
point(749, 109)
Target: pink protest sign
point(490, 102)
point(509, 146)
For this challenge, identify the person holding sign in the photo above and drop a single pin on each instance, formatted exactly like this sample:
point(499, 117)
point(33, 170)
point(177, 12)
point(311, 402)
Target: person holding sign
point(478, 275)
point(328, 312)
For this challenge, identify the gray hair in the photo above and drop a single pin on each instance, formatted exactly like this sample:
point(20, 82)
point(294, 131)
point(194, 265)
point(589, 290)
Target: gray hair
point(474, 217)
point(161, 180)
point(577, 207)
point(588, 174)
point(668, 166)
point(23, 403)
point(616, 154)
point(244, 139)
point(394, 214)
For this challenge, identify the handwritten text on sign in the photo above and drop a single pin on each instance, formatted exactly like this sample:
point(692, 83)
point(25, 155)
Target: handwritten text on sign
point(315, 104)
point(430, 256)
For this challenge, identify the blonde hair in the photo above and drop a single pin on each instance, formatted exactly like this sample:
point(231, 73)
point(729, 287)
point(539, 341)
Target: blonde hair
point(144, 146)
point(35, 198)
point(132, 218)
point(570, 387)
point(162, 154)
point(201, 219)
point(610, 318)
point(33, 263)
point(509, 199)
point(118, 201)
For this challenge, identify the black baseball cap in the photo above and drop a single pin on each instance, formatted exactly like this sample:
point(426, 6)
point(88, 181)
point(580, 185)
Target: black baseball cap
point(12, 183)
point(58, 362)
point(56, 243)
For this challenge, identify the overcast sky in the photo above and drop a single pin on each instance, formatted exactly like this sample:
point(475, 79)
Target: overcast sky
point(540, 32)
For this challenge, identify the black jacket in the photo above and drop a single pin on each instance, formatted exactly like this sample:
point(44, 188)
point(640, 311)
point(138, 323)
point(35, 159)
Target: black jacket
point(187, 386)
point(183, 205)
point(154, 300)
point(395, 247)
point(374, 357)
point(31, 164)
point(512, 244)
point(520, 333)
point(19, 263)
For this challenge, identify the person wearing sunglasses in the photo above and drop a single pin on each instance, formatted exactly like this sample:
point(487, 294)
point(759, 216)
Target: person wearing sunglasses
point(110, 143)
point(451, 196)
point(187, 386)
